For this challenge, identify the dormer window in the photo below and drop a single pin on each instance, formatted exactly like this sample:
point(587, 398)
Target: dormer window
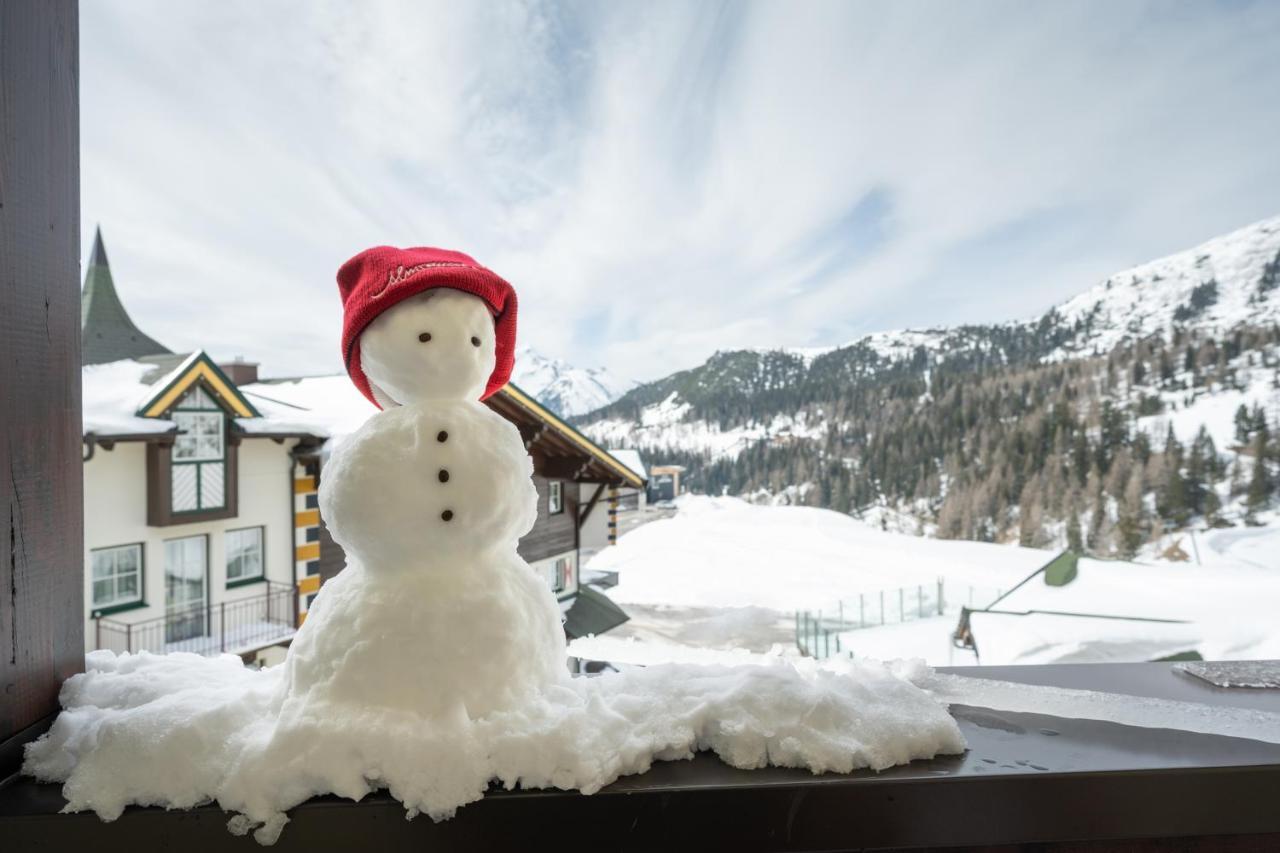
point(194, 477)
point(198, 460)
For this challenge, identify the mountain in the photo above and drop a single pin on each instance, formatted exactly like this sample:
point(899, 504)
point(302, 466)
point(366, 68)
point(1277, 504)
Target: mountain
point(959, 431)
point(563, 388)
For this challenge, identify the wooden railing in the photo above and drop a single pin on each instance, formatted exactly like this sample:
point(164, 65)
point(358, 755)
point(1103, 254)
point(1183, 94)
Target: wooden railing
point(239, 625)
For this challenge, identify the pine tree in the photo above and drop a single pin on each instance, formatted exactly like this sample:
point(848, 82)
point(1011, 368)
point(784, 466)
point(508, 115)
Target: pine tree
point(1129, 526)
point(1075, 543)
point(1259, 495)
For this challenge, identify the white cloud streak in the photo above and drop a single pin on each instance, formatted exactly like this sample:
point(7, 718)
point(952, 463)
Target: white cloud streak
point(660, 180)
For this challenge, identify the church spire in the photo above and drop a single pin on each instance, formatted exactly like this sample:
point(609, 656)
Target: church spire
point(106, 332)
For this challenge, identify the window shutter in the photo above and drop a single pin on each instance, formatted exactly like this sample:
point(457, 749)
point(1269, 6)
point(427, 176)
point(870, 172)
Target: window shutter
point(184, 488)
point(212, 482)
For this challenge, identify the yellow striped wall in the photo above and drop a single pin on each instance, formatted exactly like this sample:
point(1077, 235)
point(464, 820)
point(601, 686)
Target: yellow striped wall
point(306, 541)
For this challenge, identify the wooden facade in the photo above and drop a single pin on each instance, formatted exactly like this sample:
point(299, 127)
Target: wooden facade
point(552, 533)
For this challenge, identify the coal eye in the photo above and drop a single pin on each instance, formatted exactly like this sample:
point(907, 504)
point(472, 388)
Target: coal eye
point(424, 337)
point(475, 342)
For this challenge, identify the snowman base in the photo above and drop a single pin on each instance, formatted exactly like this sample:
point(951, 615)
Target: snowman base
point(181, 730)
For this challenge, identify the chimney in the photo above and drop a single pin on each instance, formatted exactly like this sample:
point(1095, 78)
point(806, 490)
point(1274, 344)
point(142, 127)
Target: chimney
point(241, 372)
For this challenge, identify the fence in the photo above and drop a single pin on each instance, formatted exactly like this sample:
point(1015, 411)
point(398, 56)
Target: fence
point(819, 632)
point(208, 629)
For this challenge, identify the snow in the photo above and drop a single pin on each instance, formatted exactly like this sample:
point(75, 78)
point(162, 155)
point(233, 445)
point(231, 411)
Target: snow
point(320, 405)
point(1142, 711)
point(563, 388)
point(111, 394)
point(1213, 408)
point(725, 552)
point(1224, 611)
point(1140, 301)
point(662, 426)
point(179, 730)
point(725, 556)
point(632, 460)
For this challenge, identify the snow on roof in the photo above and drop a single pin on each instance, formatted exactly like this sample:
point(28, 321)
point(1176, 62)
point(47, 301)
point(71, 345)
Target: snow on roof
point(631, 458)
point(1224, 609)
point(110, 396)
point(325, 406)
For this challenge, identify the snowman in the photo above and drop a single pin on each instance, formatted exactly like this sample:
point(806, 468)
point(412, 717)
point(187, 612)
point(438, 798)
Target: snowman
point(435, 614)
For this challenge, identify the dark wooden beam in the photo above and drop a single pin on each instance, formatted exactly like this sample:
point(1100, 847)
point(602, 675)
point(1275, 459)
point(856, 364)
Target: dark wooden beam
point(591, 504)
point(531, 435)
point(41, 445)
point(565, 467)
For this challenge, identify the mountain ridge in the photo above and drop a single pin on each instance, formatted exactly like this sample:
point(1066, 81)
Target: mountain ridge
point(1142, 404)
point(565, 389)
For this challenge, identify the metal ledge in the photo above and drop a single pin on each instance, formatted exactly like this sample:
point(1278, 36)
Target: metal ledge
point(1026, 779)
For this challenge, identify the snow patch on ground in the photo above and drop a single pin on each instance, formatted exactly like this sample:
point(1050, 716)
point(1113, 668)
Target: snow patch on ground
point(725, 552)
point(723, 556)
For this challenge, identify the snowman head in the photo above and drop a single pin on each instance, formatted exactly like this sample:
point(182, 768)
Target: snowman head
point(437, 345)
point(423, 324)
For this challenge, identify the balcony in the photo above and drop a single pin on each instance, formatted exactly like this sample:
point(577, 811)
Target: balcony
point(237, 627)
point(1062, 784)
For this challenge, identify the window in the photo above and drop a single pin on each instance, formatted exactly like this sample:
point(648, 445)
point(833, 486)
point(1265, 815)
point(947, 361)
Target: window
point(201, 438)
point(561, 575)
point(244, 555)
point(185, 598)
point(198, 473)
point(555, 497)
point(117, 576)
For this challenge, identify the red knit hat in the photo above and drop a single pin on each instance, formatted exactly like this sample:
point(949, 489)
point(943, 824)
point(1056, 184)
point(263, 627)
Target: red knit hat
point(380, 277)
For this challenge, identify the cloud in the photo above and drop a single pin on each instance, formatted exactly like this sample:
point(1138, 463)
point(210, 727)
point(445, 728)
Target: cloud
point(661, 180)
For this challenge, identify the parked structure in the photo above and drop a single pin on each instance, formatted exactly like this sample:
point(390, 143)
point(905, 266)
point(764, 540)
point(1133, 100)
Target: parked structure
point(202, 522)
point(664, 482)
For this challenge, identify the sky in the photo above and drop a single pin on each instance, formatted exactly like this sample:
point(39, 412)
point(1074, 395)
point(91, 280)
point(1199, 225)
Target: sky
point(663, 180)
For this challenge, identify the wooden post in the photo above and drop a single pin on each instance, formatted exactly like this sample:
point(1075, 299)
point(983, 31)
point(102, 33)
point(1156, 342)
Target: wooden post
point(41, 497)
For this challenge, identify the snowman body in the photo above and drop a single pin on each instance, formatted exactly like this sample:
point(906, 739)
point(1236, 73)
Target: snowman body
point(435, 613)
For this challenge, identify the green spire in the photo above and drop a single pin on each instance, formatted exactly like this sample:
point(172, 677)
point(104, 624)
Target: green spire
point(106, 332)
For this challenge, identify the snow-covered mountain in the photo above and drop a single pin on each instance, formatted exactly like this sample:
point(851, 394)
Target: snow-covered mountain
point(563, 388)
point(1213, 287)
point(1223, 283)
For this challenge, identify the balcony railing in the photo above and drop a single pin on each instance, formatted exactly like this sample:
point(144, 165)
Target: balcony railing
point(237, 626)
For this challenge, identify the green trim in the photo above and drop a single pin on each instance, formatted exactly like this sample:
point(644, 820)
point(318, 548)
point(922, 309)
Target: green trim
point(246, 581)
point(201, 356)
point(115, 608)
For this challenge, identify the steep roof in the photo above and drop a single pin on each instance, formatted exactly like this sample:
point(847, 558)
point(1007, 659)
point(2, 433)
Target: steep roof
point(106, 332)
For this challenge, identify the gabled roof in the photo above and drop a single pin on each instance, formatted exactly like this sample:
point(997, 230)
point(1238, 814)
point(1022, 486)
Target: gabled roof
point(197, 368)
point(106, 332)
point(566, 451)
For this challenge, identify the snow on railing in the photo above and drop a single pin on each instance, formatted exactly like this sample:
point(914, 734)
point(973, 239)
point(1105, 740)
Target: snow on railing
point(210, 629)
point(818, 632)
